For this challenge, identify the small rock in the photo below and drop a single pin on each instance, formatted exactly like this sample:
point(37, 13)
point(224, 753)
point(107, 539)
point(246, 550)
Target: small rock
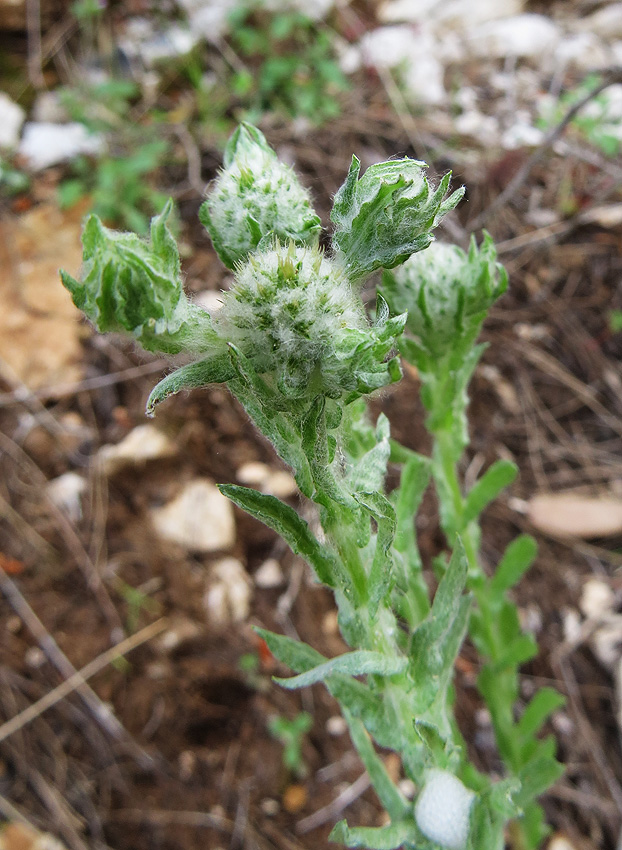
point(560, 842)
point(336, 726)
point(597, 600)
point(66, 493)
point(583, 50)
point(44, 144)
point(209, 20)
point(523, 36)
point(606, 22)
point(270, 807)
point(274, 482)
point(415, 52)
point(280, 484)
point(269, 574)
point(200, 518)
point(12, 116)
point(454, 13)
point(143, 443)
point(144, 42)
point(48, 109)
point(228, 596)
point(34, 657)
point(253, 473)
point(179, 632)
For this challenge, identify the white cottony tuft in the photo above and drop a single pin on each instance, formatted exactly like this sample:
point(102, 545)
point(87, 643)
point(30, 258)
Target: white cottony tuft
point(443, 808)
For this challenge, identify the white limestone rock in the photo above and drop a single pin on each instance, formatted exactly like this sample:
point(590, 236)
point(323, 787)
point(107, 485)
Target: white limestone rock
point(229, 593)
point(12, 116)
point(44, 144)
point(521, 36)
point(199, 518)
point(143, 443)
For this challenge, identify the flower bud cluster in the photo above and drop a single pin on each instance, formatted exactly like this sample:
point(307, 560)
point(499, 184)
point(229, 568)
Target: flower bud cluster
point(447, 293)
point(255, 197)
point(294, 315)
point(132, 285)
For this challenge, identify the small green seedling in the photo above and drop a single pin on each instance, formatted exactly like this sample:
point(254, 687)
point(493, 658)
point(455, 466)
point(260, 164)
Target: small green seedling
point(291, 734)
point(294, 343)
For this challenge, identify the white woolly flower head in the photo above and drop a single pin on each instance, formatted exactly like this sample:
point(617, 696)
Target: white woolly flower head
point(256, 196)
point(290, 312)
point(443, 809)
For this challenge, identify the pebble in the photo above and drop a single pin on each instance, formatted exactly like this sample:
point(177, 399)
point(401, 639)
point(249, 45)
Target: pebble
point(229, 593)
point(269, 574)
point(12, 116)
point(336, 726)
point(143, 443)
point(66, 493)
point(199, 518)
point(521, 36)
point(44, 144)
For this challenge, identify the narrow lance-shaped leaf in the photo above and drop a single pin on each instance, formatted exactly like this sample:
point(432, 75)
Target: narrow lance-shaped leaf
point(400, 834)
point(541, 706)
point(517, 559)
point(297, 655)
point(388, 793)
point(294, 530)
point(211, 370)
point(358, 663)
point(501, 474)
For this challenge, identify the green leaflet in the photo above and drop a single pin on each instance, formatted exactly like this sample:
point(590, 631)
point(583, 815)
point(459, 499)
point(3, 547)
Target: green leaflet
point(436, 642)
point(389, 795)
point(387, 215)
point(517, 559)
point(493, 481)
point(294, 530)
point(358, 663)
point(538, 710)
point(401, 834)
point(212, 370)
point(294, 653)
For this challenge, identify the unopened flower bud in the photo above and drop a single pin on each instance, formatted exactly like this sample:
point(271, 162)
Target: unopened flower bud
point(255, 197)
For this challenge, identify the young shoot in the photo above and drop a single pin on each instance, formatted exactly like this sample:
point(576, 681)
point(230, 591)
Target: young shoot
point(294, 343)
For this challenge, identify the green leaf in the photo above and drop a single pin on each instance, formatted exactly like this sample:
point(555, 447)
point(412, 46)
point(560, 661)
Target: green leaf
point(376, 838)
point(500, 475)
point(541, 706)
point(211, 370)
point(386, 215)
point(357, 663)
point(518, 557)
point(368, 474)
point(381, 574)
point(413, 483)
point(294, 653)
point(389, 795)
point(521, 650)
point(436, 642)
point(294, 530)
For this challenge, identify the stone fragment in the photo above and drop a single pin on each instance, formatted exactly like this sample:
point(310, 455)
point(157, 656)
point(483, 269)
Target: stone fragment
point(199, 518)
point(143, 443)
point(269, 574)
point(44, 144)
point(12, 116)
point(228, 596)
point(66, 493)
point(521, 36)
